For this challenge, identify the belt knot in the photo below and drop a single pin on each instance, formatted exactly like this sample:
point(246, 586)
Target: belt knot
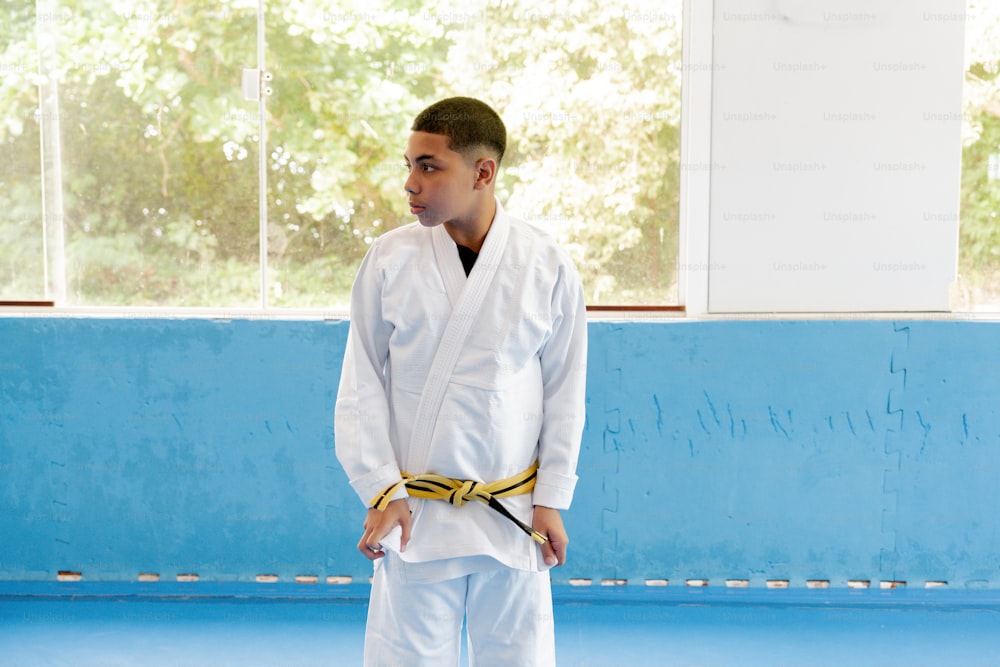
point(460, 491)
point(466, 492)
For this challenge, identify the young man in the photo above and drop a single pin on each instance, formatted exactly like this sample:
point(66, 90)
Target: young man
point(461, 408)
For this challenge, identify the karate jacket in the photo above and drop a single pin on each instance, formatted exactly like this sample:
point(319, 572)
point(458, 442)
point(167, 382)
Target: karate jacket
point(514, 394)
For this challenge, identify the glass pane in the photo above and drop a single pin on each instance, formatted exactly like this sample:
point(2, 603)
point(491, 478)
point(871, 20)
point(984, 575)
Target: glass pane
point(22, 260)
point(979, 228)
point(590, 93)
point(346, 84)
point(158, 151)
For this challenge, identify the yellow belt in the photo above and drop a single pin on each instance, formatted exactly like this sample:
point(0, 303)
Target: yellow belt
point(460, 491)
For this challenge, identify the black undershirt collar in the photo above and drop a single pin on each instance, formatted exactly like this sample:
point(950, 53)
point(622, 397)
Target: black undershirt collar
point(468, 257)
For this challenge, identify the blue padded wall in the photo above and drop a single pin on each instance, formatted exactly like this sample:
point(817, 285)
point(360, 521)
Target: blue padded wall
point(169, 447)
point(738, 450)
point(757, 450)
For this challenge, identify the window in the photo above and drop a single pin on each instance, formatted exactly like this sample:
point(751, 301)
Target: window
point(135, 172)
point(22, 222)
point(147, 188)
point(979, 220)
point(135, 176)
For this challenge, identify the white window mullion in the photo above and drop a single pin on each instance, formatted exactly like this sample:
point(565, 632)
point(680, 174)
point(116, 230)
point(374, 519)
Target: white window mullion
point(262, 155)
point(693, 259)
point(50, 132)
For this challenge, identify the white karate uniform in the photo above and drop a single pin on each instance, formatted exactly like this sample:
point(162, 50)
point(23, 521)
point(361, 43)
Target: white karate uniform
point(513, 392)
point(508, 614)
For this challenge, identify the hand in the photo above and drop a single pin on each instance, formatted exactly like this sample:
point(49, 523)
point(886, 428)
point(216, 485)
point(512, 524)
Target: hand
point(548, 522)
point(378, 524)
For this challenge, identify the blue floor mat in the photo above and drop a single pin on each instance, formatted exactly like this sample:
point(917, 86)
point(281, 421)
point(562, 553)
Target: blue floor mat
point(204, 624)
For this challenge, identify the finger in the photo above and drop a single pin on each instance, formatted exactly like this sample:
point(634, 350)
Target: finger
point(549, 554)
point(371, 553)
point(378, 535)
point(370, 548)
point(559, 548)
point(365, 550)
point(404, 537)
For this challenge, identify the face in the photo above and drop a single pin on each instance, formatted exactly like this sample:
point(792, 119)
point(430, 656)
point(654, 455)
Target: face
point(441, 185)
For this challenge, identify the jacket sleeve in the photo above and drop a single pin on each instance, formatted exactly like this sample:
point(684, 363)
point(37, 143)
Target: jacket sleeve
point(564, 375)
point(361, 416)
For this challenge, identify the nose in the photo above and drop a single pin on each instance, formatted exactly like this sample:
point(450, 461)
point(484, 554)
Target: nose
point(410, 184)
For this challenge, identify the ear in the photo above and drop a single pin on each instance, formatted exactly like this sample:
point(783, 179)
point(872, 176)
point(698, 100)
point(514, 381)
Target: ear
point(486, 173)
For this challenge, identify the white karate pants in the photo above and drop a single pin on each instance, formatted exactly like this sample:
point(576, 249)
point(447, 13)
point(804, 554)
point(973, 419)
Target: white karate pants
point(508, 615)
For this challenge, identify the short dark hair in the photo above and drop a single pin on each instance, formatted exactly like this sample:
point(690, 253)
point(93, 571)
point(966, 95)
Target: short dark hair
point(467, 122)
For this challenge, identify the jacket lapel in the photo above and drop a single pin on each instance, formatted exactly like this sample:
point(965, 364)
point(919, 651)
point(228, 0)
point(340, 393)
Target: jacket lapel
point(467, 296)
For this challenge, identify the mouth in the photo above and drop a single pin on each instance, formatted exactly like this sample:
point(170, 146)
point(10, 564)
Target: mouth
point(416, 209)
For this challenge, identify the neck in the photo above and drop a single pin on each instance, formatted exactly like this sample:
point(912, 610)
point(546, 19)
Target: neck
point(471, 232)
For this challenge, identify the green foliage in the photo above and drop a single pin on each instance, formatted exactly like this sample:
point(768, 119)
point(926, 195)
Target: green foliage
point(159, 168)
point(594, 120)
point(979, 242)
point(979, 228)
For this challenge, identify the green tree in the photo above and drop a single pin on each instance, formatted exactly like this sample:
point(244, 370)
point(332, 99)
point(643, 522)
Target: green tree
point(594, 121)
point(160, 150)
point(21, 271)
point(979, 228)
